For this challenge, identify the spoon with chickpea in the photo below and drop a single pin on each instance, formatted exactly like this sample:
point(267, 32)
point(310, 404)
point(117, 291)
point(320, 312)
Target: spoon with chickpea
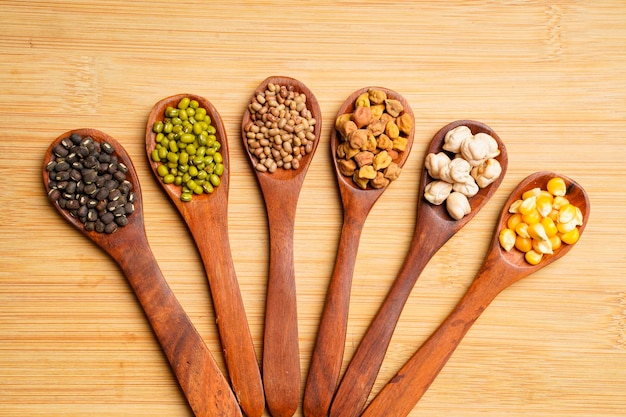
point(433, 228)
point(504, 265)
point(362, 108)
point(187, 148)
point(117, 202)
point(280, 129)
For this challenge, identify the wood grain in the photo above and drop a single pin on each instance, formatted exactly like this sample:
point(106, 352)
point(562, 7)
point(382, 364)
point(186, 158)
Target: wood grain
point(548, 76)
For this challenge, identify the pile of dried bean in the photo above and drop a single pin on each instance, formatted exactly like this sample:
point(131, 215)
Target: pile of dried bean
point(86, 178)
point(374, 136)
point(280, 131)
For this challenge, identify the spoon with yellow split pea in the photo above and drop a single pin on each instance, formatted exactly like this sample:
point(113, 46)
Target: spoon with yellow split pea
point(327, 356)
point(499, 270)
point(206, 216)
point(433, 228)
point(280, 189)
point(201, 380)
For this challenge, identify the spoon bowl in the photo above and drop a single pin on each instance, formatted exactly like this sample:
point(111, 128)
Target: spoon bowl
point(280, 189)
point(327, 356)
point(499, 270)
point(206, 216)
point(203, 384)
point(433, 228)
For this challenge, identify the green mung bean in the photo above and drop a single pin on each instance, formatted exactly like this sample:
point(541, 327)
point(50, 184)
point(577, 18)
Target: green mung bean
point(187, 149)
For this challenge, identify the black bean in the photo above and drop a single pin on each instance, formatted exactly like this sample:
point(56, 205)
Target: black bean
point(90, 189)
point(72, 205)
point(71, 187)
point(82, 211)
point(110, 227)
point(54, 194)
point(106, 147)
point(102, 194)
point(75, 175)
point(62, 176)
point(76, 138)
point(121, 220)
point(107, 217)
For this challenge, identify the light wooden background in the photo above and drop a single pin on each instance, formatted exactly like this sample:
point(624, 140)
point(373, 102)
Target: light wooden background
point(548, 76)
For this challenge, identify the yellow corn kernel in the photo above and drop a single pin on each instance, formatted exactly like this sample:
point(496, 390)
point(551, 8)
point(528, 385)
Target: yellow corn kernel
point(536, 231)
point(559, 202)
point(514, 220)
point(549, 226)
point(545, 193)
point(556, 186)
point(532, 217)
point(533, 257)
point(507, 239)
point(523, 244)
point(554, 215)
point(566, 227)
point(542, 246)
point(528, 205)
point(555, 242)
point(579, 217)
point(571, 237)
point(522, 230)
point(533, 192)
point(544, 205)
point(515, 206)
point(567, 213)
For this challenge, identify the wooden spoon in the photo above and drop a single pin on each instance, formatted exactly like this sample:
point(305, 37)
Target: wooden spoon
point(281, 357)
point(206, 389)
point(206, 216)
point(499, 270)
point(327, 356)
point(434, 227)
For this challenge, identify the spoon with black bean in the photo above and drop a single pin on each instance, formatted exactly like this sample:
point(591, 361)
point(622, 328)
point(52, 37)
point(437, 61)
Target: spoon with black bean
point(92, 183)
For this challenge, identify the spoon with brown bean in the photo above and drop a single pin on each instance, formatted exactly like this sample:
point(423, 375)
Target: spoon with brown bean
point(500, 269)
point(433, 228)
point(204, 153)
point(357, 201)
point(280, 129)
point(93, 184)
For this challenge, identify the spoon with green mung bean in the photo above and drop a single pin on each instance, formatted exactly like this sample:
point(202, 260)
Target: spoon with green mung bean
point(192, 132)
point(201, 380)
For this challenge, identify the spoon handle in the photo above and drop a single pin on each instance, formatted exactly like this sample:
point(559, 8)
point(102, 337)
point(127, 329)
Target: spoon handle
point(361, 373)
point(405, 389)
point(206, 389)
point(210, 231)
point(281, 355)
point(327, 355)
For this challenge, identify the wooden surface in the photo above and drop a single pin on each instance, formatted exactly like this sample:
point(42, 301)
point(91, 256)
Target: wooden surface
point(548, 77)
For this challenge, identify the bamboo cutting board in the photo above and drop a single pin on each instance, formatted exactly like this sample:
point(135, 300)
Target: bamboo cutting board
point(548, 77)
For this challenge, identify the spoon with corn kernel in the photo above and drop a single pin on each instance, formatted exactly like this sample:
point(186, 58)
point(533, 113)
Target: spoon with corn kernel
point(500, 269)
point(280, 188)
point(204, 386)
point(433, 228)
point(206, 216)
point(327, 356)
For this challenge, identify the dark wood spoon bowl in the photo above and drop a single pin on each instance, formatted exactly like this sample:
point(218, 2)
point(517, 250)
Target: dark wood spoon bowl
point(280, 189)
point(433, 228)
point(201, 380)
point(206, 216)
point(499, 270)
point(327, 356)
